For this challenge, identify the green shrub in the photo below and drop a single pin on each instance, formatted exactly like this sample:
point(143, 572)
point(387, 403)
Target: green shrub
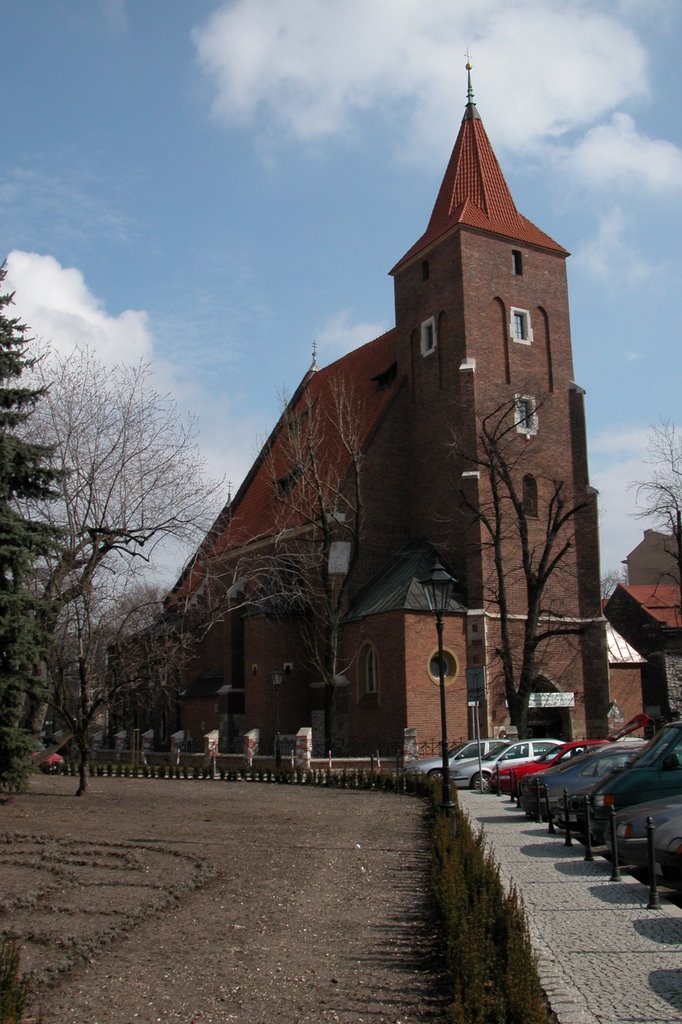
point(489, 961)
point(14, 989)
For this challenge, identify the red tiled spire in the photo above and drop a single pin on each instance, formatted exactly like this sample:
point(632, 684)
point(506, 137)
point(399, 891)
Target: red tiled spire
point(474, 192)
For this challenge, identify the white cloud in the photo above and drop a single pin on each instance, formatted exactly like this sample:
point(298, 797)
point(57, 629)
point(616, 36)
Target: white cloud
point(59, 308)
point(616, 153)
point(611, 254)
point(305, 69)
point(338, 335)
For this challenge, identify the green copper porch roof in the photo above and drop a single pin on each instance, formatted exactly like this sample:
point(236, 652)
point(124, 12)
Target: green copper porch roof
point(209, 683)
point(397, 587)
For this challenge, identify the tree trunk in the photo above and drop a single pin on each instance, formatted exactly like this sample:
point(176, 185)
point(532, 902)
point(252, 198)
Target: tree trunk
point(83, 763)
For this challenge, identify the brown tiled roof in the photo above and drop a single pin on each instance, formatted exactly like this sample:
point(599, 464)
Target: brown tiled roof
point(661, 601)
point(474, 193)
point(252, 514)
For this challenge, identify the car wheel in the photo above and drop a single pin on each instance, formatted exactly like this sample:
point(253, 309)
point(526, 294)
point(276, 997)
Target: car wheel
point(436, 773)
point(482, 787)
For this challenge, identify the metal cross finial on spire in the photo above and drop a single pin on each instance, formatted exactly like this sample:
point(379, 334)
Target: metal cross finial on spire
point(314, 365)
point(471, 111)
point(470, 91)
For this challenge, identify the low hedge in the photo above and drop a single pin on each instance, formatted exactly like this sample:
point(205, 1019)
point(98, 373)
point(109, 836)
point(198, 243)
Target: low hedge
point(490, 967)
point(14, 989)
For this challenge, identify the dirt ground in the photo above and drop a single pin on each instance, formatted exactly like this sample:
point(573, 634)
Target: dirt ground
point(205, 902)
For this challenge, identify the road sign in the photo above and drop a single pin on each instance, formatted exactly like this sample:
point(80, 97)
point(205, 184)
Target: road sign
point(476, 684)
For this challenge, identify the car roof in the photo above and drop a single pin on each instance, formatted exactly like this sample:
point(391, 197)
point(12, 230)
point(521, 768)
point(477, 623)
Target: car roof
point(594, 754)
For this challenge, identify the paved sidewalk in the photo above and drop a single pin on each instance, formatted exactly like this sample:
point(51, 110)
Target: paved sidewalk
point(603, 957)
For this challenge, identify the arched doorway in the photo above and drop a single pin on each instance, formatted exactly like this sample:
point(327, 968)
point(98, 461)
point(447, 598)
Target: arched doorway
point(549, 711)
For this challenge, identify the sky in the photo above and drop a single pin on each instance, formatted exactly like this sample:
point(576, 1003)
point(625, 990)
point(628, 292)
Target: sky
point(213, 186)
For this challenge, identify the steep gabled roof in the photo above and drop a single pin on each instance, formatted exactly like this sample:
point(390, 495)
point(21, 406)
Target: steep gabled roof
point(474, 194)
point(252, 514)
point(661, 602)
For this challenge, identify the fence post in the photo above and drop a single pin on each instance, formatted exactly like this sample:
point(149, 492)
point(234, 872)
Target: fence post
point(550, 816)
point(615, 866)
point(654, 899)
point(588, 830)
point(567, 821)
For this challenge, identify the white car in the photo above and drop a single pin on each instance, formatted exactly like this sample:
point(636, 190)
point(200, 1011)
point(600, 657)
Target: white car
point(465, 774)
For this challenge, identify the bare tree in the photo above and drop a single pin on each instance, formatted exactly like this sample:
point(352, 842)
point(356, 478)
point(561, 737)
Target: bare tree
point(528, 525)
point(660, 497)
point(132, 480)
point(610, 580)
point(110, 646)
point(316, 476)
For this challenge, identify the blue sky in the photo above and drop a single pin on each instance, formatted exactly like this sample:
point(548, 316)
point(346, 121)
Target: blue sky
point(211, 186)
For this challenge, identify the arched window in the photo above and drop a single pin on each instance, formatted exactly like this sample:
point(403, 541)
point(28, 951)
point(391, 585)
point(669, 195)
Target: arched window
point(530, 496)
point(368, 671)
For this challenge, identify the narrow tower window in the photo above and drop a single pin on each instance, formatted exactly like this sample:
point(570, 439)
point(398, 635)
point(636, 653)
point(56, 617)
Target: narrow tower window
point(425, 270)
point(428, 336)
point(517, 262)
point(530, 496)
point(526, 416)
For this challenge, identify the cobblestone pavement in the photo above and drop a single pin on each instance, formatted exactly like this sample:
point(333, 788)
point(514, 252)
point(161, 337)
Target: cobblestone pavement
point(604, 958)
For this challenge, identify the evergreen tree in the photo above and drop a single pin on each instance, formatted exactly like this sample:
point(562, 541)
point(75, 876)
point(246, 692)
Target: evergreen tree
point(25, 472)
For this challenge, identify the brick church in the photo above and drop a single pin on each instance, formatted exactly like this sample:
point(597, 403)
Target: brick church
point(459, 435)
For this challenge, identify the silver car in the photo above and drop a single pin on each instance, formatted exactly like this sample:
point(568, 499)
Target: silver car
point(631, 828)
point(466, 773)
point(434, 765)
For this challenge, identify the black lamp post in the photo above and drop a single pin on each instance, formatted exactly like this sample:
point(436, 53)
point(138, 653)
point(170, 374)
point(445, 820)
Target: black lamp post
point(277, 677)
point(438, 588)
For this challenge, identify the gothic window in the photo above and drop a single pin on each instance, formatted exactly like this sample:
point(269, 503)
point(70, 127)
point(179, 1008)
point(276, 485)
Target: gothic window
point(530, 496)
point(369, 671)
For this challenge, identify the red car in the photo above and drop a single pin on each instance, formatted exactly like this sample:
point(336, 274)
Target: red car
point(502, 776)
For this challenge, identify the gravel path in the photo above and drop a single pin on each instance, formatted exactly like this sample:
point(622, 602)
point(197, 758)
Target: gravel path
point(204, 902)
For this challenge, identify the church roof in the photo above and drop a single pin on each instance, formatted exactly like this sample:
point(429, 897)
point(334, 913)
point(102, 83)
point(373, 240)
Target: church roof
point(474, 194)
point(397, 586)
point(368, 372)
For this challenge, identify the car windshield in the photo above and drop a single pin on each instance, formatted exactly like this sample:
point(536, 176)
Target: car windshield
point(603, 765)
point(666, 739)
point(548, 755)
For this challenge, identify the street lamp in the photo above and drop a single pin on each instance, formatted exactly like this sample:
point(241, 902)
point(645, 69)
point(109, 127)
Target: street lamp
point(438, 588)
point(277, 677)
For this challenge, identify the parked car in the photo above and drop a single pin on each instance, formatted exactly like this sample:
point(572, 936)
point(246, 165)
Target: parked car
point(47, 762)
point(434, 765)
point(577, 776)
point(502, 776)
point(668, 851)
point(466, 773)
point(654, 773)
point(631, 829)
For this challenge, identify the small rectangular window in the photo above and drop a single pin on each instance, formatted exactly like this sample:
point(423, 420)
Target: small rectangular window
point(525, 414)
point(425, 270)
point(519, 326)
point(428, 336)
point(517, 262)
